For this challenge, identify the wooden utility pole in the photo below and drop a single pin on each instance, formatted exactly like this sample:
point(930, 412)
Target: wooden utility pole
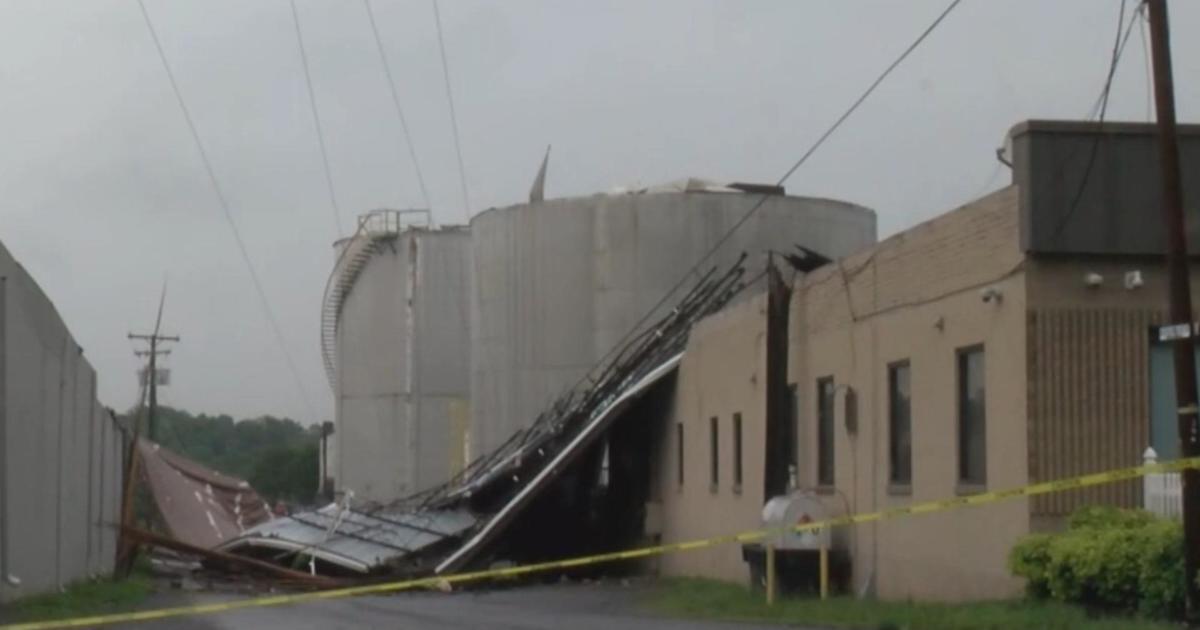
point(150, 376)
point(1180, 295)
point(148, 379)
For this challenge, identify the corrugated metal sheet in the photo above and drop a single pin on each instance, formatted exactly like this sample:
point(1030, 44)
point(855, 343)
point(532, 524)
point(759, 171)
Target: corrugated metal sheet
point(200, 506)
point(1088, 401)
point(355, 540)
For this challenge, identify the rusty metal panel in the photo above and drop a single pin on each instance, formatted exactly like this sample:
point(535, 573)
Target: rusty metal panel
point(200, 506)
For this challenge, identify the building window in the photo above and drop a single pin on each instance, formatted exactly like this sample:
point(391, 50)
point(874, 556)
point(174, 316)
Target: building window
point(793, 447)
point(972, 419)
point(737, 451)
point(679, 453)
point(900, 424)
point(714, 450)
point(825, 431)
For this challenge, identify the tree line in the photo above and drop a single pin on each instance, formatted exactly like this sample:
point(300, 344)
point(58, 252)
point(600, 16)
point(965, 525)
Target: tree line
point(278, 456)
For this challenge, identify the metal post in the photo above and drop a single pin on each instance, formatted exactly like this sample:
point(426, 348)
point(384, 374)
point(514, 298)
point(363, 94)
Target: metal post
point(771, 580)
point(824, 571)
point(1180, 298)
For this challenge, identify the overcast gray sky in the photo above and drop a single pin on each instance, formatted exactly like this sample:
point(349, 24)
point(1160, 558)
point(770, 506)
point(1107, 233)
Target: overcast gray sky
point(103, 192)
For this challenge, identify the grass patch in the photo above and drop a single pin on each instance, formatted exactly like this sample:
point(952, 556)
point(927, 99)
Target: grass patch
point(91, 597)
point(699, 598)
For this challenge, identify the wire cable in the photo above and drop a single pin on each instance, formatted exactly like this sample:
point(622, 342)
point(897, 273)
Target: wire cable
point(387, 72)
point(312, 102)
point(795, 166)
point(1099, 111)
point(462, 171)
point(871, 89)
point(224, 203)
point(1143, 25)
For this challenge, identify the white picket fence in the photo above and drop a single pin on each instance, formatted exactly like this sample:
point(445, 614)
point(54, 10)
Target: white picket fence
point(1162, 492)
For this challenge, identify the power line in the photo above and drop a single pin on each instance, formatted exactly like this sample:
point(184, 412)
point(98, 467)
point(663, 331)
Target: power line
point(462, 171)
point(1101, 109)
point(838, 123)
point(312, 101)
point(1122, 38)
point(800, 162)
point(387, 71)
point(237, 236)
point(1143, 23)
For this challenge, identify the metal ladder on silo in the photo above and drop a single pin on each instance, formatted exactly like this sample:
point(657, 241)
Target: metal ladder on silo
point(373, 228)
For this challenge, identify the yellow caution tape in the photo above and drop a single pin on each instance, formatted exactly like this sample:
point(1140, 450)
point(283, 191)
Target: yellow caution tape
point(928, 507)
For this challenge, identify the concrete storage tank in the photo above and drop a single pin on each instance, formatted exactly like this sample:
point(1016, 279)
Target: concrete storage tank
point(394, 340)
point(557, 283)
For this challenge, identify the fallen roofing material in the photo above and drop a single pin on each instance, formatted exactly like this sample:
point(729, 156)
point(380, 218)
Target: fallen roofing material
point(586, 436)
point(456, 524)
point(231, 562)
point(199, 506)
point(352, 539)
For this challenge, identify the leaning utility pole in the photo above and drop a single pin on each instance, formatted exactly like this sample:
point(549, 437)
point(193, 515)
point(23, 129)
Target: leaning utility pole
point(150, 376)
point(126, 547)
point(1180, 298)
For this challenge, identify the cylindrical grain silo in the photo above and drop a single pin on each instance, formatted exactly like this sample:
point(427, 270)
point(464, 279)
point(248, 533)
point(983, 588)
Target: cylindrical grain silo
point(557, 283)
point(395, 337)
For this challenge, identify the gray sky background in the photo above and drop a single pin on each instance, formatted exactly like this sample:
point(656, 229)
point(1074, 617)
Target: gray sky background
point(103, 192)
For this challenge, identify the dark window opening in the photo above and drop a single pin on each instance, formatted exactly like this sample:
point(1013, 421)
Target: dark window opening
point(825, 426)
point(714, 449)
point(737, 450)
point(900, 424)
point(793, 446)
point(679, 453)
point(972, 418)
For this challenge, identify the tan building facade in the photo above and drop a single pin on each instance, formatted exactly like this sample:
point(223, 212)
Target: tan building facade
point(985, 349)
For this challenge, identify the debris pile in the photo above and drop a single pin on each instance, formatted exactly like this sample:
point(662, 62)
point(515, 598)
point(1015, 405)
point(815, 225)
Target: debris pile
point(464, 522)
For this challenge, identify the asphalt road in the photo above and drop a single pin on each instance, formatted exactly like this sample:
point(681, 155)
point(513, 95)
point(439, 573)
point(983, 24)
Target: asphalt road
point(574, 606)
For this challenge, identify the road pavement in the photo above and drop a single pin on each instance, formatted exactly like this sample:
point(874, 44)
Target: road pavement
point(576, 606)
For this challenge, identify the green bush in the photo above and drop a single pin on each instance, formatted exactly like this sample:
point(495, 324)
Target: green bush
point(1121, 560)
point(1106, 516)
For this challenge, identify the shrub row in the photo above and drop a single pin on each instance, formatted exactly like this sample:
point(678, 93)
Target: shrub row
point(1108, 558)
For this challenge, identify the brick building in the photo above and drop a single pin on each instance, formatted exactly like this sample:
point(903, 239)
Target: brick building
point(1002, 343)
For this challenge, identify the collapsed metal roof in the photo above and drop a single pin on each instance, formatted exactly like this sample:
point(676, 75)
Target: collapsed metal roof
point(353, 539)
point(452, 525)
point(199, 506)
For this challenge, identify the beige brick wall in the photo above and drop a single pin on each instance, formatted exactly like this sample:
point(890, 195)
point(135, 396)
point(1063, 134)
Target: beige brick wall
point(850, 321)
point(1067, 393)
point(915, 297)
point(721, 374)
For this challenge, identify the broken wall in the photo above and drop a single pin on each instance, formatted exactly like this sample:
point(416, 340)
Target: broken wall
point(60, 450)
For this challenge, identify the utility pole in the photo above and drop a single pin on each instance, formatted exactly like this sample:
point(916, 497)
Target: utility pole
point(150, 375)
point(1179, 297)
point(126, 547)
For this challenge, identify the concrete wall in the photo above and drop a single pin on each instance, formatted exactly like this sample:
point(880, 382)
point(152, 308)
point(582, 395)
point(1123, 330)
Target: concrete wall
point(722, 374)
point(60, 452)
point(556, 284)
point(402, 366)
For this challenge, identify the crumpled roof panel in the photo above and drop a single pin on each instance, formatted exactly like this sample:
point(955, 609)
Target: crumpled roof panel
point(199, 506)
point(355, 540)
